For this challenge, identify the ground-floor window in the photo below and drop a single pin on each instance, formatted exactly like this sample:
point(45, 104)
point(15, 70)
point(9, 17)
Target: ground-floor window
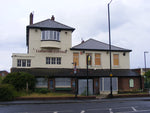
point(62, 82)
point(105, 84)
point(51, 84)
point(41, 82)
point(131, 83)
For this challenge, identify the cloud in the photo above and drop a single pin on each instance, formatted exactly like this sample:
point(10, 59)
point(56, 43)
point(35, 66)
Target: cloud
point(129, 24)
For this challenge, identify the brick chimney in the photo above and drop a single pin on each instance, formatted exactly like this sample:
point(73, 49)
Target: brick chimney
point(31, 18)
point(53, 18)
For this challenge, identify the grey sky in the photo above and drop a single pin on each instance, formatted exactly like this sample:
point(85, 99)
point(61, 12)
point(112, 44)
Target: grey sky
point(130, 24)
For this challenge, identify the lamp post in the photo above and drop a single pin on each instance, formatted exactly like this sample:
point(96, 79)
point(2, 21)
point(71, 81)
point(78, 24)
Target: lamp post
point(110, 71)
point(75, 72)
point(145, 65)
point(88, 60)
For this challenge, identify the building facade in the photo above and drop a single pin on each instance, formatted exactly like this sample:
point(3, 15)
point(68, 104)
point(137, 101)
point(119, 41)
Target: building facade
point(60, 67)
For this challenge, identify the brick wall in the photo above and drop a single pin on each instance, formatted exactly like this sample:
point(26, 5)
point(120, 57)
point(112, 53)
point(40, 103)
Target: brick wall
point(123, 83)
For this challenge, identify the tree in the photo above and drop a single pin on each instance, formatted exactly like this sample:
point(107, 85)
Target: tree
point(19, 80)
point(147, 77)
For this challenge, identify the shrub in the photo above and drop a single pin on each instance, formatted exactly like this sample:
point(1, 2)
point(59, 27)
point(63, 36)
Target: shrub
point(7, 92)
point(19, 80)
point(42, 90)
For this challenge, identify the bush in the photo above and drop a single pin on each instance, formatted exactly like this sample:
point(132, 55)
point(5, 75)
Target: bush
point(7, 92)
point(19, 80)
point(42, 90)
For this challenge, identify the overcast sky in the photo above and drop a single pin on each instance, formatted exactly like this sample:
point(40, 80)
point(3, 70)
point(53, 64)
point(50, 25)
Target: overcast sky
point(130, 24)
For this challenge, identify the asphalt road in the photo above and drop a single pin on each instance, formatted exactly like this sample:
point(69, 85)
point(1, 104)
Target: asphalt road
point(107, 106)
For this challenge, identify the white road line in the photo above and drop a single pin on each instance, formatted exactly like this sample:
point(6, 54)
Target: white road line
point(133, 108)
point(110, 110)
point(82, 111)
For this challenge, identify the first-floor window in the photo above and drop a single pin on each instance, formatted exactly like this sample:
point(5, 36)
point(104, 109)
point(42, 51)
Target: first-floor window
point(58, 60)
point(19, 63)
point(23, 62)
point(53, 60)
point(28, 63)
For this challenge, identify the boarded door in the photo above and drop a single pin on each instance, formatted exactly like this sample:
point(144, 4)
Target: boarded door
point(82, 86)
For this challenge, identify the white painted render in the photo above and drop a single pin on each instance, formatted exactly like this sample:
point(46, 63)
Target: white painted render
point(39, 50)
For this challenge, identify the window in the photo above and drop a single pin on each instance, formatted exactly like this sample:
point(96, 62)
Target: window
point(53, 60)
point(76, 58)
point(51, 86)
point(58, 60)
point(50, 35)
point(63, 82)
point(131, 83)
point(19, 63)
point(116, 59)
point(97, 59)
point(89, 59)
point(47, 60)
point(28, 63)
point(23, 62)
point(41, 82)
point(3, 74)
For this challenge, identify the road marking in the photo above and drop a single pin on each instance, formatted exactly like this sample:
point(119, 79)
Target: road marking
point(133, 108)
point(82, 111)
point(110, 110)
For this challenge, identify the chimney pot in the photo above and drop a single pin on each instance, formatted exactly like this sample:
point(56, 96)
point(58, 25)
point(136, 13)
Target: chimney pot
point(53, 18)
point(31, 18)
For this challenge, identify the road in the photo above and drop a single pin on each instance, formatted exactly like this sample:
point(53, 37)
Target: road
point(108, 106)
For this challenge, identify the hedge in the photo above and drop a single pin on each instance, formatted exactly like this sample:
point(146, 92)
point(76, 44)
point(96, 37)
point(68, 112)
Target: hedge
point(19, 80)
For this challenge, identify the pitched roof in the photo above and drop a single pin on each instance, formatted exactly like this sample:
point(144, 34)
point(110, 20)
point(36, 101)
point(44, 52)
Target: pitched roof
point(94, 45)
point(47, 24)
point(50, 24)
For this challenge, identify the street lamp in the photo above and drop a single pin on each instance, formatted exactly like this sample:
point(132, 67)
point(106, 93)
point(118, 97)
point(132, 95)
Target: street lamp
point(110, 71)
point(88, 62)
point(75, 72)
point(145, 65)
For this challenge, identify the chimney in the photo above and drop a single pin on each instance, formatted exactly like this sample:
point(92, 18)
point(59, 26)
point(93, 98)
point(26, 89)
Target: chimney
point(31, 18)
point(53, 18)
point(82, 41)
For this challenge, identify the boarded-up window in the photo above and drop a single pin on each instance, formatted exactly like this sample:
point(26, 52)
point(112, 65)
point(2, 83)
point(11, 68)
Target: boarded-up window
point(89, 59)
point(116, 59)
point(76, 58)
point(97, 59)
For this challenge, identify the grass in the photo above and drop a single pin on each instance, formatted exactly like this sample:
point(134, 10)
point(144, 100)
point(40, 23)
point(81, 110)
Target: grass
point(52, 94)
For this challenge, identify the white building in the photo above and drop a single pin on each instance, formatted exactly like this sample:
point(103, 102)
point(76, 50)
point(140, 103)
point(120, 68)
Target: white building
point(50, 58)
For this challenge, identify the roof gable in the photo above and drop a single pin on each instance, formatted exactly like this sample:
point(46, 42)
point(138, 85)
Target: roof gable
point(95, 45)
point(50, 24)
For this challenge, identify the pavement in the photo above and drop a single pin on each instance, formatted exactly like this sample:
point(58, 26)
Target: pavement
point(97, 100)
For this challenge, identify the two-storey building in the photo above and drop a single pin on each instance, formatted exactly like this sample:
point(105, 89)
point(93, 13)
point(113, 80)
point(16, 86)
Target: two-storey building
point(56, 64)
